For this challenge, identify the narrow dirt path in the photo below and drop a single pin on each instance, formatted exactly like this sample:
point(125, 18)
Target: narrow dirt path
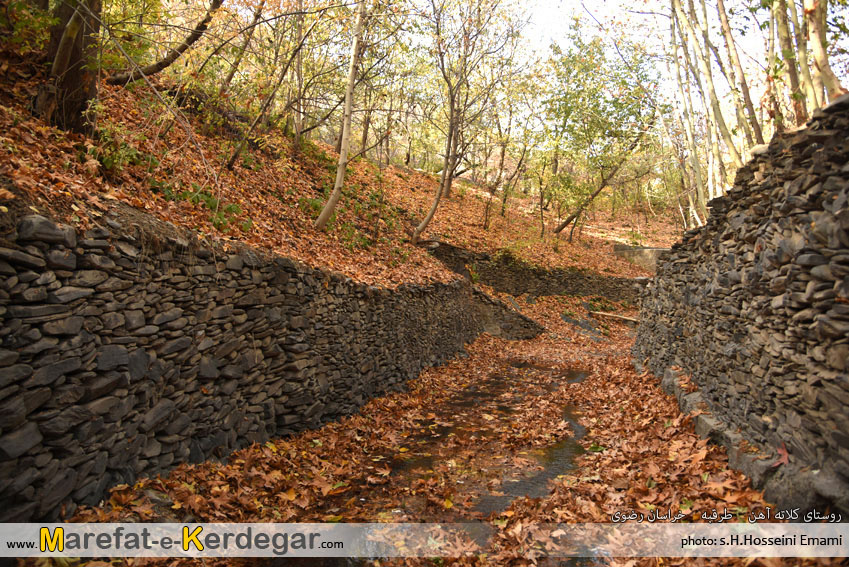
point(555, 429)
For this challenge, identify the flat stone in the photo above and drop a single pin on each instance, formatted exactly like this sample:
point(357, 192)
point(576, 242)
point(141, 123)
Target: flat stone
point(135, 319)
point(112, 320)
point(837, 357)
point(47, 375)
point(99, 261)
point(811, 260)
point(110, 357)
point(69, 293)
point(22, 258)
point(40, 346)
point(88, 278)
point(103, 385)
point(167, 316)
point(152, 449)
point(102, 406)
point(13, 412)
point(37, 311)
point(175, 345)
point(67, 326)
point(34, 399)
point(157, 415)
point(235, 262)
point(126, 249)
point(62, 260)
point(8, 357)
point(139, 362)
point(146, 331)
point(56, 489)
point(222, 311)
point(208, 368)
point(34, 294)
point(18, 442)
point(65, 421)
point(37, 227)
point(114, 284)
point(12, 374)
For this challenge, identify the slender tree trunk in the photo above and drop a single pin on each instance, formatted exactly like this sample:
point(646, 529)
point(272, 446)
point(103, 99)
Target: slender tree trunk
point(453, 157)
point(445, 175)
point(514, 179)
point(299, 79)
point(776, 114)
point(330, 206)
point(704, 64)
point(731, 47)
point(366, 124)
point(686, 101)
point(815, 14)
point(797, 97)
point(800, 36)
point(64, 99)
point(225, 84)
point(542, 200)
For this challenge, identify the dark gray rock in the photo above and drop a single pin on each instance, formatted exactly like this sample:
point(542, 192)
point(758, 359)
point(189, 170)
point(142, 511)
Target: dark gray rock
point(67, 326)
point(68, 294)
point(12, 374)
point(49, 374)
point(110, 357)
point(167, 316)
point(177, 345)
point(67, 419)
point(88, 278)
point(135, 319)
point(19, 441)
point(8, 357)
point(157, 415)
point(103, 385)
point(208, 368)
point(138, 364)
point(21, 258)
point(37, 227)
point(62, 260)
point(13, 412)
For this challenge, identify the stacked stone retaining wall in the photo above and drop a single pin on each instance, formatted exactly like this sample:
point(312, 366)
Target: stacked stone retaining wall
point(124, 353)
point(755, 307)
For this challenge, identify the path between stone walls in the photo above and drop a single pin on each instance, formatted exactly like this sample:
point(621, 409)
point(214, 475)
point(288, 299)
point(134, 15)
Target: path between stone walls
point(559, 428)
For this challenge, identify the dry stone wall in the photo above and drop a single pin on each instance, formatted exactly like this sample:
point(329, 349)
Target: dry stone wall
point(508, 274)
point(755, 306)
point(123, 353)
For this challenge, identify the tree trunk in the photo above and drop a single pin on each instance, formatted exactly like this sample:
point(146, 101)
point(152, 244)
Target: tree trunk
point(800, 36)
point(445, 177)
point(704, 64)
point(514, 179)
point(815, 14)
point(225, 84)
point(734, 57)
point(299, 76)
point(453, 160)
point(65, 99)
point(797, 97)
point(366, 125)
point(687, 122)
point(330, 206)
point(776, 113)
point(139, 73)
